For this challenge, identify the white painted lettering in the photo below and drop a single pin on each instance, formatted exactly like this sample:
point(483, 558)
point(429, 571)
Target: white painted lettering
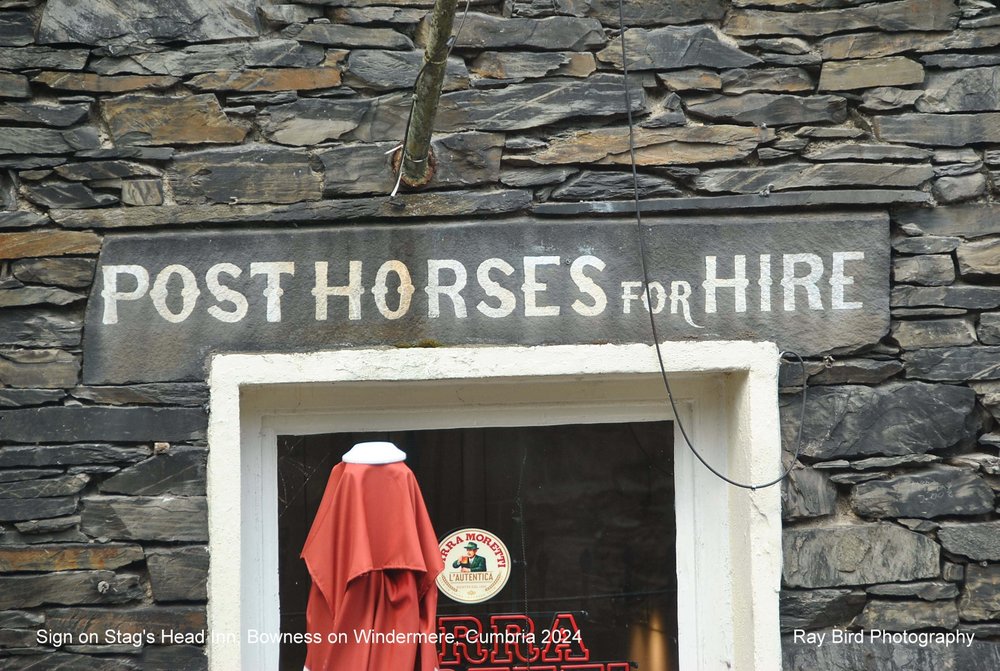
point(739, 283)
point(588, 286)
point(628, 296)
point(272, 290)
point(507, 299)
point(838, 280)
point(352, 290)
point(453, 291)
point(112, 295)
point(224, 294)
point(789, 281)
point(189, 292)
point(532, 287)
point(765, 282)
point(655, 289)
point(381, 288)
point(680, 294)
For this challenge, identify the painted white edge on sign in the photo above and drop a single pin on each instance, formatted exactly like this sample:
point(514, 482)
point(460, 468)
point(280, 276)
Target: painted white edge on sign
point(728, 540)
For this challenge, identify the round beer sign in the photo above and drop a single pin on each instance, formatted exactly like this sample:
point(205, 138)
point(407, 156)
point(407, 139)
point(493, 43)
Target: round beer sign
point(476, 565)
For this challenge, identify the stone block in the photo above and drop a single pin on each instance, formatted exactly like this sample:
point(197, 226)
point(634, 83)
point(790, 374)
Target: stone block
point(40, 369)
point(20, 510)
point(255, 173)
point(193, 394)
point(954, 364)
point(145, 518)
point(31, 57)
point(64, 424)
point(267, 79)
point(148, 120)
point(72, 195)
point(128, 620)
point(981, 597)
point(772, 110)
point(69, 588)
point(125, 22)
point(236, 56)
point(966, 90)
point(602, 185)
point(178, 574)
point(806, 175)
point(972, 220)
point(907, 615)
point(695, 79)
point(179, 471)
point(922, 333)
point(936, 492)
point(142, 192)
point(390, 70)
point(928, 591)
point(818, 608)
point(47, 243)
point(44, 114)
point(14, 86)
point(66, 662)
point(807, 493)
point(896, 16)
point(926, 244)
point(34, 327)
point(69, 455)
point(855, 371)
point(88, 82)
point(956, 189)
point(899, 418)
point(675, 47)
point(989, 328)
point(949, 130)
point(865, 152)
point(68, 557)
point(557, 33)
point(979, 541)
point(67, 485)
point(831, 556)
point(870, 73)
point(980, 258)
point(982, 298)
point(884, 98)
point(72, 273)
point(334, 35)
point(928, 270)
point(667, 146)
point(48, 526)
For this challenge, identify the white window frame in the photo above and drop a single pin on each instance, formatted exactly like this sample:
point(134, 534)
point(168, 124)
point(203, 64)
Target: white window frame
point(728, 540)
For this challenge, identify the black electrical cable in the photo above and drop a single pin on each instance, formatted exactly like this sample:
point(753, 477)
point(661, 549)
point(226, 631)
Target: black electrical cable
point(649, 299)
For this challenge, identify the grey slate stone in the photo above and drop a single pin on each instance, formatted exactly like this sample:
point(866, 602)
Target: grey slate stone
point(966, 90)
point(807, 175)
point(180, 393)
point(102, 170)
point(178, 574)
point(462, 159)
point(989, 328)
point(898, 418)
point(20, 619)
point(928, 270)
point(180, 619)
point(936, 492)
point(928, 591)
point(142, 192)
point(254, 173)
point(68, 455)
point(329, 34)
point(926, 244)
point(886, 16)
point(68, 195)
point(73, 273)
point(124, 22)
point(557, 33)
point(603, 185)
point(31, 327)
point(31, 295)
point(907, 615)
point(857, 371)
point(956, 189)
point(818, 608)
point(171, 657)
point(980, 258)
point(862, 554)
point(807, 493)
point(954, 364)
point(969, 220)
point(534, 176)
point(310, 121)
point(979, 541)
point(884, 98)
point(879, 462)
point(948, 297)
point(866, 152)
point(15, 475)
point(24, 398)
point(61, 424)
point(698, 79)
point(68, 588)
point(981, 598)
point(44, 487)
point(520, 65)
point(922, 333)
point(950, 130)
point(389, 70)
point(637, 13)
point(17, 29)
point(22, 220)
point(32, 57)
point(396, 15)
point(870, 73)
point(273, 53)
point(770, 109)
point(48, 526)
point(959, 61)
point(179, 471)
point(145, 518)
point(19, 510)
point(44, 114)
point(14, 86)
point(17, 140)
point(675, 47)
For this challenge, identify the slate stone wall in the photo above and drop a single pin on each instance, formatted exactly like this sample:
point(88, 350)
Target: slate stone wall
point(152, 115)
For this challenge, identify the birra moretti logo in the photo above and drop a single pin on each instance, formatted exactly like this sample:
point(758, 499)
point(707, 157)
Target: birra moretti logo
point(476, 565)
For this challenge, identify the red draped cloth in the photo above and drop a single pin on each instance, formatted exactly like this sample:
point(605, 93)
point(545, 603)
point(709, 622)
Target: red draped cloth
point(373, 557)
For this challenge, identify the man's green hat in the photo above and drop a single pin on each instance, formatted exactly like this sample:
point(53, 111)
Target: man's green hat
point(471, 546)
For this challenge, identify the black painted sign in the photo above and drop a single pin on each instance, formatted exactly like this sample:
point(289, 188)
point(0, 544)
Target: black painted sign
point(161, 303)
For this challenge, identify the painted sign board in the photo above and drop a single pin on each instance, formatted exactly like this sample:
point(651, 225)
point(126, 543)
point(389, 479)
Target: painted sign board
point(161, 303)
